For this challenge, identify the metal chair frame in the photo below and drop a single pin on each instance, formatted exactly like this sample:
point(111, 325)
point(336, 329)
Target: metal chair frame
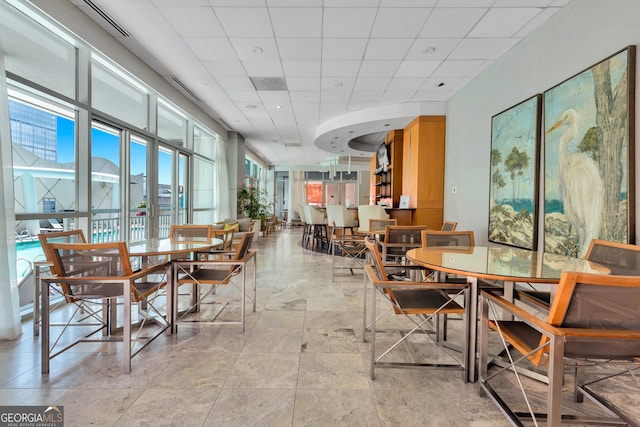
point(420, 303)
point(585, 323)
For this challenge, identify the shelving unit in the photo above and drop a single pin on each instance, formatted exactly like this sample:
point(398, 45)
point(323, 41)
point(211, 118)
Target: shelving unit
point(386, 185)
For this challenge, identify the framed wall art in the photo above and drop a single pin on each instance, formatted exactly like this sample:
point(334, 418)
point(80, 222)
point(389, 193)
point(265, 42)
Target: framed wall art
point(515, 142)
point(589, 160)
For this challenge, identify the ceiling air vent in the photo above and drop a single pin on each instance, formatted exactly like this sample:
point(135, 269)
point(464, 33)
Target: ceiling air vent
point(186, 89)
point(107, 18)
point(269, 83)
point(292, 144)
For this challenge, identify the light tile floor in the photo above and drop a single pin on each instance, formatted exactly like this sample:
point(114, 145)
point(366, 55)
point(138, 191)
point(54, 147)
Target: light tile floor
point(301, 362)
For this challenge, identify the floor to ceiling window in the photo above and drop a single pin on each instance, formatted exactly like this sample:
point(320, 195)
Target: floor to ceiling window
point(105, 183)
point(118, 168)
point(138, 197)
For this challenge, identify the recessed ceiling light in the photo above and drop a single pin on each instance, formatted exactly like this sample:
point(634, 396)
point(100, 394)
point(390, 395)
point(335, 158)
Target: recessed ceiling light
point(250, 107)
point(429, 50)
point(279, 107)
point(257, 50)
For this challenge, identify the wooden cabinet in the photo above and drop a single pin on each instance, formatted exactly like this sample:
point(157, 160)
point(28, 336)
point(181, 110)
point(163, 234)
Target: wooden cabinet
point(386, 184)
point(423, 167)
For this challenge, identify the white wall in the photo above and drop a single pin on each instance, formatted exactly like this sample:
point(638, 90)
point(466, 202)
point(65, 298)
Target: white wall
point(580, 35)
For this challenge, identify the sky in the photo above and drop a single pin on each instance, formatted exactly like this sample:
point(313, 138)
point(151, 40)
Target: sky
point(106, 145)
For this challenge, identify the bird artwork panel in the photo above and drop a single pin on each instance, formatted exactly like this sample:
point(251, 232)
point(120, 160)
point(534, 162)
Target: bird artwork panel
point(589, 162)
point(513, 198)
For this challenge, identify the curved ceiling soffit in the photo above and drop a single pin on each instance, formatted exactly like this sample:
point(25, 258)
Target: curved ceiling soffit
point(334, 134)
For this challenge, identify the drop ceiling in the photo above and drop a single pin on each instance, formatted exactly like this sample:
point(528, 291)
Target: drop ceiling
point(300, 78)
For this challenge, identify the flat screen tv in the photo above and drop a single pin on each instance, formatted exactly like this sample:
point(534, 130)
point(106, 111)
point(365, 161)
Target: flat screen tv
point(382, 157)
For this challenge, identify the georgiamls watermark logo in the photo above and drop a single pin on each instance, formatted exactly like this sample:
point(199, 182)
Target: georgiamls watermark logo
point(31, 416)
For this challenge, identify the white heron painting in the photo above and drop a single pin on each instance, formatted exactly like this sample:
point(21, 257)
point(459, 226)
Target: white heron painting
point(513, 195)
point(588, 163)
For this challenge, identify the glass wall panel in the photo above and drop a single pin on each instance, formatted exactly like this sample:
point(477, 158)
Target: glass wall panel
point(165, 200)
point(203, 183)
point(115, 94)
point(105, 183)
point(204, 142)
point(138, 189)
point(29, 49)
point(171, 125)
point(43, 146)
point(183, 188)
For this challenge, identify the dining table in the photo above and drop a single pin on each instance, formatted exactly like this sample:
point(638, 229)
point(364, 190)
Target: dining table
point(163, 249)
point(166, 250)
point(503, 266)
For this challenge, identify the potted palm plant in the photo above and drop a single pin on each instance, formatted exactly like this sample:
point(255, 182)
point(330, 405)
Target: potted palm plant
point(253, 203)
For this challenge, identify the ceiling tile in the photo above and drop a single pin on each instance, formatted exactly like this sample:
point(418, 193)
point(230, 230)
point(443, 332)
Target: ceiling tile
point(406, 83)
point(193, 21)
point(336, 96)
point(294, 3)
point(244, 96)
point(305, 95)
point(350, 3)
point(235, 83)
point(319, 46)
point(173, 2)
point(359, 96)
point(371, 83)
point(340, 68)
point(408, 3)
point(466, 3)
point(303, 83)
point(504, 22)
point(522, 3)
point(347, 23)
point(451, 22)
point(399, 22)
point(387, 48)
point(423, 49)
point(299, 48)
point(378, 68)
point(225, 68)
point(263, 49)
point(343, 49)
point(296, 22)
point(395, 96)
point(337, 83)
point(279, 97)
point(263, 68)
point(236, 3)
point(301, 68)
point(245, 22)
point(305, 106)
point(476, 48)
point(416, 68)
point(206, 48)
point(456, 68)
point(434, 83)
